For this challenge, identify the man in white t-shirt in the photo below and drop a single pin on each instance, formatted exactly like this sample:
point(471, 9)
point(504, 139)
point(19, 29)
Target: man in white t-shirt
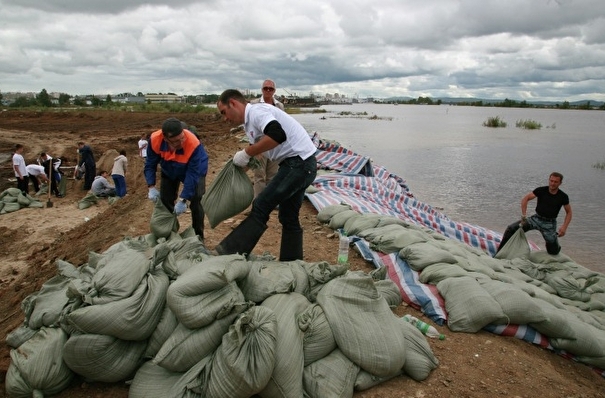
point(143, 146)
point(280, 138)
point(268, 168)
point(37, 175)
point(20, 169)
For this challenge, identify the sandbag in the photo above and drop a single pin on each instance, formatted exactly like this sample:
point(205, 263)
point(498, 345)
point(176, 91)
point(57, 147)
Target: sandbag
point(244, 362)
point(267, 278)
point(162, 222)
point(419, 358)
point(469, 306)
point(132, 318)
point(364, 326)
point(286, 379)
point(87, 201)
point(420, 255)
point(103, 358)
point(518, 306)
point(516, 247)
point(338, 220)
point(230, 193)
point(325, 214)
point(318, 339)
point(331, 376)
point(185, 347)
point(37, 368)
point(152, 381)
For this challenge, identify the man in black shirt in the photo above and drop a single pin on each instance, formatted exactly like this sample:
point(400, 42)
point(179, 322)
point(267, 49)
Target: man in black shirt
point(550, 201)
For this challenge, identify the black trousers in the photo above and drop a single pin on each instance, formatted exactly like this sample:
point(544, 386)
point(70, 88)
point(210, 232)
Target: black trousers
point(169, 190)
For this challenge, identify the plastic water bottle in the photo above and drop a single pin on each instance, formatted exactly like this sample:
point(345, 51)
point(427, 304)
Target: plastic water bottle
point(343, 248)
point(424, 327)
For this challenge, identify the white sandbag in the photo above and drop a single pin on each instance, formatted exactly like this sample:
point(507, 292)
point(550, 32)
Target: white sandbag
point(132, 318)
point(331, 376)
point(325, 214)
point(37, 368)
point(186, 347)
point(419, 358)
point(267, 278)
point(318, 340)
point(243, 364)
point(364, 326)
point(152, 381)
point(420, 255)
point(103, 358)
point(229, 194)
point(469, 307)
point(286, 380)
point(518, 306)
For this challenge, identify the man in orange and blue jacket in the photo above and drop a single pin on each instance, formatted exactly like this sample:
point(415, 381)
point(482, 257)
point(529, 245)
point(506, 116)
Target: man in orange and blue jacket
point(182, 158)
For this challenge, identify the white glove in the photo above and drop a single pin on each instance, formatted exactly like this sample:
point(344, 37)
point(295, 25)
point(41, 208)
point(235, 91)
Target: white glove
point(241, 158)
point(153, 194)
point(180, 207)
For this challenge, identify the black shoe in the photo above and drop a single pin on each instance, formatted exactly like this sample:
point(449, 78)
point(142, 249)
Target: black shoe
point(59, 195)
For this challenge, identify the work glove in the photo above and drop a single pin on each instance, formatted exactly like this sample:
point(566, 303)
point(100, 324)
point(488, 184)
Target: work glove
point(180, 207)
point(241, 158)
point(153, 194)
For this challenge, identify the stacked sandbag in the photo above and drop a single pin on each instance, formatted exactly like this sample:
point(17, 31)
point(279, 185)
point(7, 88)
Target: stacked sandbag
point(12, 199)
point(230, 193)
point(180, 322)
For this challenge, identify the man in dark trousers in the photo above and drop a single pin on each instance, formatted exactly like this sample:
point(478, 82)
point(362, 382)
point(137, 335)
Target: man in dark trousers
point(87, 158)
point(550, 201)
point(182, 158)
point(279, 137)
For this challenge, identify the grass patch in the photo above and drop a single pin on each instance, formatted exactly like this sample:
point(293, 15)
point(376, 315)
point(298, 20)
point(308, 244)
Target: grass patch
point(494, 121)
point(528, 124)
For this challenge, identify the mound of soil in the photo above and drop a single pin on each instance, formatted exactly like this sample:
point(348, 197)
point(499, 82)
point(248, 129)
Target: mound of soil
point(471, 365)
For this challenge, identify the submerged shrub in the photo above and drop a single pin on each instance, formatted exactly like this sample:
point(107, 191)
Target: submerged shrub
point(528, 124)
point(494, 121)
point(600, 165)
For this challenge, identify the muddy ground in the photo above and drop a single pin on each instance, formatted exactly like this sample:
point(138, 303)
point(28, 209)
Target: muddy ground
point(471, 365)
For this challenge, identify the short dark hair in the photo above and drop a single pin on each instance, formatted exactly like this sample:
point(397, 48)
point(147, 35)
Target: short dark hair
point(556, 174)
point(231, 94)
point(102, 172)
point(172, 127)
point(123, 152)
point(18, 146)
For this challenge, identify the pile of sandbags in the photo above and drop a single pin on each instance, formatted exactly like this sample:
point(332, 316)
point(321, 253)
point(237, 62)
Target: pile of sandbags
point(176, 321)
point(12, 199)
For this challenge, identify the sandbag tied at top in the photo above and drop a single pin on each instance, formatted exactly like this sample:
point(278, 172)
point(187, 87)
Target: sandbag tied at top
point(37, 368)
point(230, 193)
point(419, 358)
point(286, 380)
point(208, 291)
point(326, 213)
point(363, 324)
point(244, 362)
point(163, 222)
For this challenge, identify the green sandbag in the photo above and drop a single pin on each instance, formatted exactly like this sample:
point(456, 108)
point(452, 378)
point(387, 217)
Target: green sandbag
point(230, 193)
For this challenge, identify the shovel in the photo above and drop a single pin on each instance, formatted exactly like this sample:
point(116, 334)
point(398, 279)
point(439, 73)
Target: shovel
point(50, 178)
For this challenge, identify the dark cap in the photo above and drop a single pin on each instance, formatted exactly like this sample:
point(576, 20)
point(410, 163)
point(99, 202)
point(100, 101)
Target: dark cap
point(172, 127)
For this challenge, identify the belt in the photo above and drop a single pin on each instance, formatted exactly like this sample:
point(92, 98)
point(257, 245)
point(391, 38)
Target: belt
point(545, 218)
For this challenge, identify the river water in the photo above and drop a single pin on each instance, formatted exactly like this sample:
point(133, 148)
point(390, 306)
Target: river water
point(478, 174)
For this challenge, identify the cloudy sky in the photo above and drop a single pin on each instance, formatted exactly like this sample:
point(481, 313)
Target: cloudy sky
point(517, 49)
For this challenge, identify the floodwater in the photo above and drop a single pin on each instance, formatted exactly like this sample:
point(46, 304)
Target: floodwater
point(478, 174)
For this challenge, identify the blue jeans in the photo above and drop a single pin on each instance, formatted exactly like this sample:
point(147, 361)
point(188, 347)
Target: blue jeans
point(286, 189)
point(546, 226)
point(120, 183)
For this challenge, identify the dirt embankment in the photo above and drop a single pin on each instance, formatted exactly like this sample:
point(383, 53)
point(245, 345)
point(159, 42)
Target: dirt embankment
point(471, 365)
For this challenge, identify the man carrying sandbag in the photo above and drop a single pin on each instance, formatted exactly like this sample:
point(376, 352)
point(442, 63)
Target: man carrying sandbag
point(279, 137)
point(182, 158)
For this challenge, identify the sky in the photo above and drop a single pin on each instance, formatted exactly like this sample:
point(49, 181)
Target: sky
point(552, 50)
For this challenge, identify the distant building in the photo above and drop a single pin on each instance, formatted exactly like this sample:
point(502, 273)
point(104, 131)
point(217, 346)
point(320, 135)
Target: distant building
point(163, 98)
